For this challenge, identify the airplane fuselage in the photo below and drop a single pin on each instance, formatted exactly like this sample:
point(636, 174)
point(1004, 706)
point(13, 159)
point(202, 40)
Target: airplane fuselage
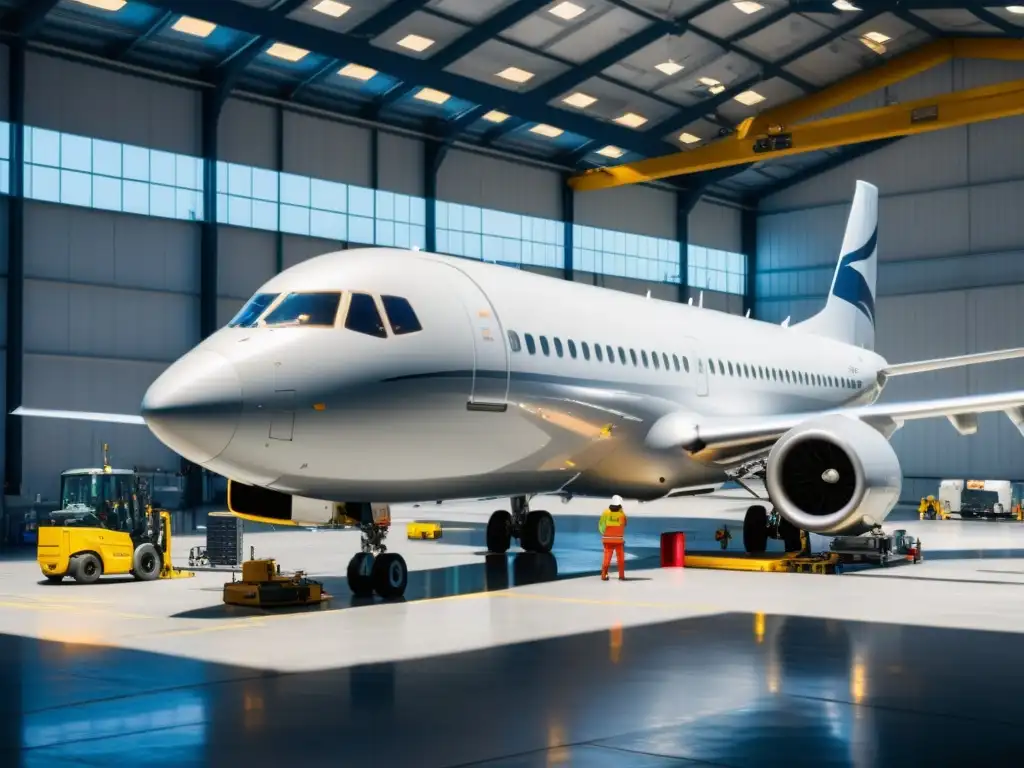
point(507, 389)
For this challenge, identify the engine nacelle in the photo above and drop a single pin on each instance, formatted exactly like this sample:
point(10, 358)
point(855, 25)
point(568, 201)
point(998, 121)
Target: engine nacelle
point(269, 506)
point(834, 475)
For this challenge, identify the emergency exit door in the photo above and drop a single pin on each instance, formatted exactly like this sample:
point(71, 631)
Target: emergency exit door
point(698, 367)
point(490, 351)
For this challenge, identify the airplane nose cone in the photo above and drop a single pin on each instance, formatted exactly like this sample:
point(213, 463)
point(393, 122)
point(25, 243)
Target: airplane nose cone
point(194, 407)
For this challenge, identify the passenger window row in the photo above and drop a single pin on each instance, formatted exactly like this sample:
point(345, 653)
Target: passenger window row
point(598, 352)
point(320, 309)
point(661, 361)
point(766, 373)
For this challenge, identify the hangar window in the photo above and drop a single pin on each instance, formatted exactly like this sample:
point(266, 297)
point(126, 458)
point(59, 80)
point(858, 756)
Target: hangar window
point(250, 313)
point(686, 365)
point(586, 350)
point(622, 356)
point(310, 309)
point(643, 356)
point(402, 317)
point(544, 346)
point(572, 349)
point(558, 346)
point(531, 346)
point(513, 341)
point(654, 359)
point(597, 353)
point(632, 355)
point(363, 316)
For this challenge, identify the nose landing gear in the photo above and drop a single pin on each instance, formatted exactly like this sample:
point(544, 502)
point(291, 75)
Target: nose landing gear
point(535, 529)
point(374, 569)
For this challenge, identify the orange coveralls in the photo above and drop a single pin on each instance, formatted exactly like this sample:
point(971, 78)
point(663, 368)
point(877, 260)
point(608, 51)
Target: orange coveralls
point(612, 526)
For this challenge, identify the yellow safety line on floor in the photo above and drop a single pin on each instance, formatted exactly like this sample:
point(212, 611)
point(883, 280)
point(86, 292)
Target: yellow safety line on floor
point(73, 609)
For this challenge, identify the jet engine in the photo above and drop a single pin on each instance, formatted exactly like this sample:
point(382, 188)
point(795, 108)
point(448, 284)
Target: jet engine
point(833, 475)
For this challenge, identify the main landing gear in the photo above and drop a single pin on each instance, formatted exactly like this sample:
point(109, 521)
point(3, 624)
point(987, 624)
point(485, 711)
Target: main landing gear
point(534, 529)
point(759, 525)
point(375, 569)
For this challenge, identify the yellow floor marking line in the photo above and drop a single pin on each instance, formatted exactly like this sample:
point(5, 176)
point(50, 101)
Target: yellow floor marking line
point(53, 607)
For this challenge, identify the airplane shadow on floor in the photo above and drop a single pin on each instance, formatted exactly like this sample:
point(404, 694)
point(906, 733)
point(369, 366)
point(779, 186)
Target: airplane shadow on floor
point(497, 572)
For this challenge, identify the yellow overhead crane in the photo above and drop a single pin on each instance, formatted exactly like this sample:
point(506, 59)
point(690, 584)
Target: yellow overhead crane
point(779, 132)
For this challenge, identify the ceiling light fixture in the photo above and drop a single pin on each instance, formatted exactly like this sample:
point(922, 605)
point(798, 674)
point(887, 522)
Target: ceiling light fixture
point(631, 120)
point(547, 130)
point(357, 71)
point(287, 52)
point(196, 27)
point(749, 98)
point(611, 151)
point(716, 89)
point(515, 74)
point(494, 116)
point(688, 138)
point(579, 100)
point(567, 11)
point(709, 81)
point(748, 7)
point(845, 5)
point(433, 96)
point(105, 5)
point(877, 37)
point(332, 8)
point(669, 67)
point(1018, 9)
point(416, 43)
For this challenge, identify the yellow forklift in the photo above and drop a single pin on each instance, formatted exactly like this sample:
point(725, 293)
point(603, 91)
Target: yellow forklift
point(106, 525)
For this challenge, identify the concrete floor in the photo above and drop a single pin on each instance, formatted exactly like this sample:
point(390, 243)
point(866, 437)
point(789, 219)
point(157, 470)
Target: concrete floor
point(528, 661)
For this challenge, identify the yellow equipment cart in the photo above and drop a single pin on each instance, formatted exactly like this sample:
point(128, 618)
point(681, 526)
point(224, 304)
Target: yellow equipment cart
point(106, 526)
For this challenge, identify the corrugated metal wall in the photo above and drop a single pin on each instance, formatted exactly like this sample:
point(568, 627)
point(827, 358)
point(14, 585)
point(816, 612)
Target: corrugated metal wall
point(951, 266)
point(489, 182)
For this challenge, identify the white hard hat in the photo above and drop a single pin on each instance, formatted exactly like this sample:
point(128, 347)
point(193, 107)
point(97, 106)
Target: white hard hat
point(616, 501)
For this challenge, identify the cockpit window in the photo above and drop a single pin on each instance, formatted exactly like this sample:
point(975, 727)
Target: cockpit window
point(306, 309)
point(401, 315)
point(363, 316)
point(250, 313)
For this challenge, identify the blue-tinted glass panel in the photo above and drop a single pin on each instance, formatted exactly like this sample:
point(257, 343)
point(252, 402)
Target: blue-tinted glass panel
point(5, 140)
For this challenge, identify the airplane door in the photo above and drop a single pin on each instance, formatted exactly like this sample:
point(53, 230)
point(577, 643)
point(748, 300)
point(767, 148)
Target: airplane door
point(699, 367)
point(490, 352)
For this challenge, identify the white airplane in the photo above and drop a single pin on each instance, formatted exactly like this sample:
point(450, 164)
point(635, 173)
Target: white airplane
point(383, 375)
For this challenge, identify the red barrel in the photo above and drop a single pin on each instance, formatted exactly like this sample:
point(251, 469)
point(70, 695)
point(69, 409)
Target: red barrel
point(673, 549)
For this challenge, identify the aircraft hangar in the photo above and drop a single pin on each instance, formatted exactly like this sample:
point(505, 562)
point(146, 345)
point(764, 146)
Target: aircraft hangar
point(162, 160)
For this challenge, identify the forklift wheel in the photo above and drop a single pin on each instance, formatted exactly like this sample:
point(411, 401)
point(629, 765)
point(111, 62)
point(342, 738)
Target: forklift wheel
point(86, 569)
point(146, 563)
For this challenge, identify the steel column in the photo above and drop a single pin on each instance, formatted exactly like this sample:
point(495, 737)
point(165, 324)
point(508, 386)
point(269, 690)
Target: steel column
point(686, 199)
point(748, 246)
point(433, 155)
point(15, 362)
point(568, 219)
point(210, 118)
point(279, 167)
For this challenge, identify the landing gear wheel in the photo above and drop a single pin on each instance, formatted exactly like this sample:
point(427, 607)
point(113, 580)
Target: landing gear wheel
point(790, 536)
point(499, 532)
point(390, 576)
point(360, 574)
point(146, 563)
point(755, 530)
point(539, 532)
point(86, 569)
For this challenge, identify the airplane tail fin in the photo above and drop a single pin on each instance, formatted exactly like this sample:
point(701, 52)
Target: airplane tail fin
point(849, 313)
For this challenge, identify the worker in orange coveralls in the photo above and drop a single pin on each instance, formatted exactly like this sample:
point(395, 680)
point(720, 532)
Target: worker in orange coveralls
point(612, 526)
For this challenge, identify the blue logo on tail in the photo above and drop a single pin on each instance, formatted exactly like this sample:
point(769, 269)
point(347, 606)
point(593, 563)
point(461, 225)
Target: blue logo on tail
point(850, 284)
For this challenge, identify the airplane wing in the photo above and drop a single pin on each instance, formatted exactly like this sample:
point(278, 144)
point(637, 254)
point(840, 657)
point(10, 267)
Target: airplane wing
point(116, 418)
point(938, 364)
point(692, 433)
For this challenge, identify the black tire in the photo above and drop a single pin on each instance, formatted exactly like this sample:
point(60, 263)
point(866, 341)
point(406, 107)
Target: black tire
point(499, 532)
point(360, 574)
point(146, 563)
point(86, 569)
point(790, 536)
point(755, 530)
point(390, 576)
point(539, 532)
point(54, 578)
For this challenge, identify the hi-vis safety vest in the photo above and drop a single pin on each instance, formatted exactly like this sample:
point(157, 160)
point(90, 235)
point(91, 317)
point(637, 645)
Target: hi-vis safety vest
point(612, 526)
